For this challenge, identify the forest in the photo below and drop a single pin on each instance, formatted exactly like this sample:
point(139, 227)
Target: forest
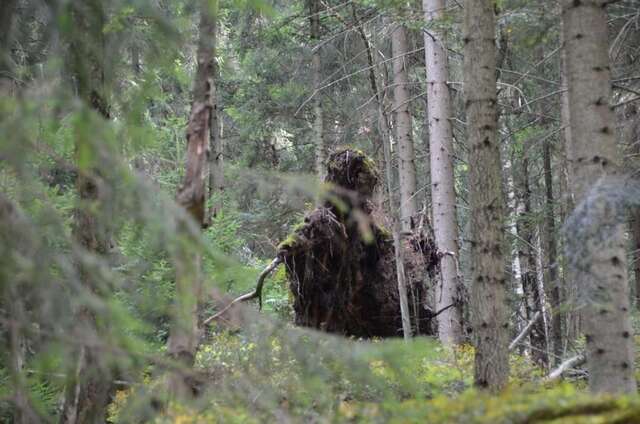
point(315, 211)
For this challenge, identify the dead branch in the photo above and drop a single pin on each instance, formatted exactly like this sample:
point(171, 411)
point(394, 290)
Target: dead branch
point(565, 366)
point(525, 331)
point(256, 293)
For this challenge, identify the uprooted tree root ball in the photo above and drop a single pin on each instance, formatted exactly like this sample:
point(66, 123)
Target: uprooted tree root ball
point(341, 265)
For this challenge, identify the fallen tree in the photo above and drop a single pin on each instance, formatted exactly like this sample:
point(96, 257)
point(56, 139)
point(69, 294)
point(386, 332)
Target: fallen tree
point(341, 265)
point(341, 262)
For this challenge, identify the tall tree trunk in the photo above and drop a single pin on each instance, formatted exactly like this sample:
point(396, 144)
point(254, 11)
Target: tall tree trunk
point(568, 284)
point(489, 313)
point(632, 136)
point(512, 217)
point(529, 268)
point(216, 147)
point(442, 179)
point(404, 128)
point(316, 69)
point(87, 391)
point(635, 234)
point(593, 154)
point(183, 334)
point(385, 139)
point(551, 256)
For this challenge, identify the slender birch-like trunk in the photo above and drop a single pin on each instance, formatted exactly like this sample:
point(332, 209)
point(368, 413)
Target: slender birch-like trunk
point(552, 283)
point(216, 146)
point(528, 263)
point(316, 69)
point(443, 194)
point(404, 128)
point(383, 130)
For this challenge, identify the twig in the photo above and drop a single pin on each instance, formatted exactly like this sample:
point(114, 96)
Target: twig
point(257, 292)
point(442, 310)
point(525, 331)
point(565, 366)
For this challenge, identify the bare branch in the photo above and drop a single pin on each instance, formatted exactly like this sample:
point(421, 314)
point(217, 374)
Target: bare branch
point(565, 366)
point(256, 293)
point(525, 331)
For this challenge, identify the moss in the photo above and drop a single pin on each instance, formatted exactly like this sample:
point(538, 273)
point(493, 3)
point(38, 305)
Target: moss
point(289, 242)
point(292, 239)
point(370, 165)
point(347, 163)
point(383, 232)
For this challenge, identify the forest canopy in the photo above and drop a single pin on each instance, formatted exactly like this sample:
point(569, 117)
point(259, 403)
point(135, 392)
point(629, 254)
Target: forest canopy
point(319, 211)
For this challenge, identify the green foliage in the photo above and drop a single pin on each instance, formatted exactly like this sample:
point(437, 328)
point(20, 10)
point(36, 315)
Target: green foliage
point(257, 367)
point(312, 375)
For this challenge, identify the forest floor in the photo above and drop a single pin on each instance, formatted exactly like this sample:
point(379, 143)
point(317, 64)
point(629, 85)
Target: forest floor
point(275, 372)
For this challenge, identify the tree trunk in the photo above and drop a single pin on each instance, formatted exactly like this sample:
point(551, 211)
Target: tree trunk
point(632, 134)
point(551, 256)
point(216, 146)
point(442, 179)
point(404, 129)
point(87, 390)
point(383, 129)
point(512, 217)
point(528, 265)
point(568, 290)
point(593, 154)
point(316, 69)
point(488, 290)
point(183, 334)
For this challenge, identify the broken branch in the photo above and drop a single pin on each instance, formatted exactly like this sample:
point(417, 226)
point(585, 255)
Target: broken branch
point(525, 331)
point(565, 366)
point(256, 293)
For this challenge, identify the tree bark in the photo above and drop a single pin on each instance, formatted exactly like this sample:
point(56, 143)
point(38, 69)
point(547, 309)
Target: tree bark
point(385, 139)
point(442, 179)
point(216, 146)
point(512, 218)
point(593, 154)
point(488, 290)
point(635, 233)
point(316, 69)
point(89, 384)
point(404, 129)
point(551, 255)
point(632, 135)
point(183, 335)
point(568, 290)
point(528, 265)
